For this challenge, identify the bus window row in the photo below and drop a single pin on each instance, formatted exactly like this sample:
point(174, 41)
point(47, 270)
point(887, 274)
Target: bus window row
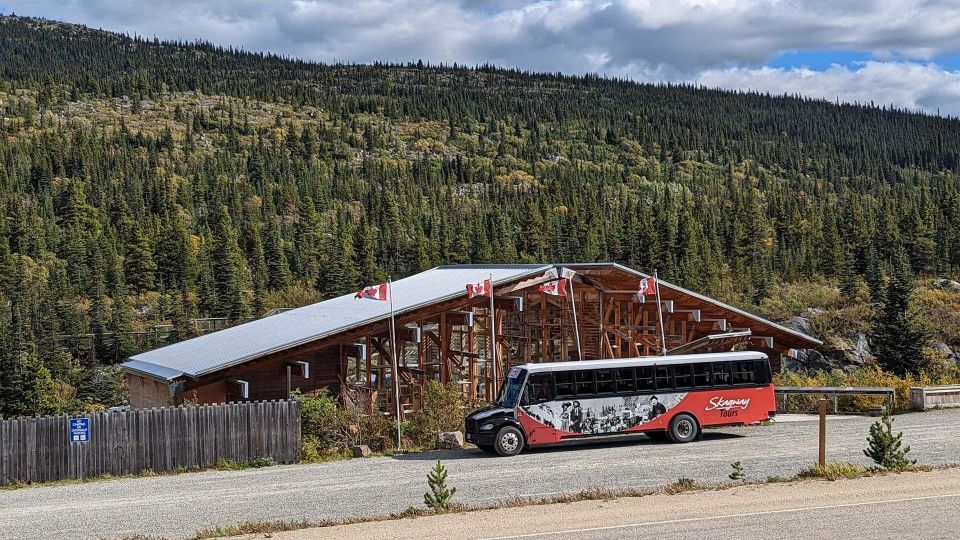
point(631, 380)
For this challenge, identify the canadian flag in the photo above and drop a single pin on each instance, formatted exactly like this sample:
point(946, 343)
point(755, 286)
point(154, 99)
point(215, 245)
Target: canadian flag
point(556, 288)
point(481, 288)
point(373, 292)
point(648, 287)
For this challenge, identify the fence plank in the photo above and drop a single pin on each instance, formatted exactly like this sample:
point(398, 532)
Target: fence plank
point(129, 442)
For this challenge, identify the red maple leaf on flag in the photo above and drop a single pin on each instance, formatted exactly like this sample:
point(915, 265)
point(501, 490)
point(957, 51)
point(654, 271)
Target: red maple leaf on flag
point(481, 288)
point(556, 287)
point(373, 292)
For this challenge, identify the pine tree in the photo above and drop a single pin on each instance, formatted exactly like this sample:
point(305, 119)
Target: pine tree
point(885, 448)
point(439, 497)
point(897, 337)
point(227, 267)
point(139, 266)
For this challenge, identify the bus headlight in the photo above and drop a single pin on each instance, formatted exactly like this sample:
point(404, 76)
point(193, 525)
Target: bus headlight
point(486, 427)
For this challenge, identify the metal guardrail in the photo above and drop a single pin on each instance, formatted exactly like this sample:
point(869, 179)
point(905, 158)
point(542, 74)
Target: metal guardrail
point(836, 391)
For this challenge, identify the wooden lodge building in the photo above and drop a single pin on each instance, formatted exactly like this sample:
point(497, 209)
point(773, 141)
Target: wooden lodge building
point(343, 344)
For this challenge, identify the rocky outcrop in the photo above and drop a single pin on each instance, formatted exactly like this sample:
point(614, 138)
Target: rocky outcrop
point(945, 349)
point(800, 324)
point(947, 284)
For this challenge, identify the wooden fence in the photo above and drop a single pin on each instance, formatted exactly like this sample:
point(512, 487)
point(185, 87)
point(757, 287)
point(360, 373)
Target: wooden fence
point(165, 439)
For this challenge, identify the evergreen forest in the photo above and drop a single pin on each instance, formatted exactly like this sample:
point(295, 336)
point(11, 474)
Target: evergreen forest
point(151, 190)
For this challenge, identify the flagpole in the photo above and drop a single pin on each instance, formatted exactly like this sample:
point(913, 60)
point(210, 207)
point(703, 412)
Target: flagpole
point(493, 338)
point(576, 327)
point(663, 337)
point(396, 361)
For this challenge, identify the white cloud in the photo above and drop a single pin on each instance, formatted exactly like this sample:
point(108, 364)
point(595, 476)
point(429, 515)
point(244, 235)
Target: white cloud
point(726, 42)
point(907, 85)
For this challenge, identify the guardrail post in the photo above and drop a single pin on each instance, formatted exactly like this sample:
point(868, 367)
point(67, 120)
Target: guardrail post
point(835, 409)
point(823, 434)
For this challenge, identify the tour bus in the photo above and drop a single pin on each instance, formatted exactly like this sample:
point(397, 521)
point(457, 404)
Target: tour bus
point(663, 397)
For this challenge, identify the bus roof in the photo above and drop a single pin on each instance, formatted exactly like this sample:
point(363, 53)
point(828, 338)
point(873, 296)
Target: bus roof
point(645, 361)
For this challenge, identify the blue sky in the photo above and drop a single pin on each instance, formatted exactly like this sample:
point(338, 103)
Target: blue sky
point(900, 52)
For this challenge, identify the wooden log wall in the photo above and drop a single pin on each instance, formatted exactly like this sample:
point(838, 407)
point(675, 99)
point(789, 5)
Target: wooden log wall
point(159, 440)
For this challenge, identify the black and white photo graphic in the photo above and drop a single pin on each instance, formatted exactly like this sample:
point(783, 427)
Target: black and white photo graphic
point(602, 415)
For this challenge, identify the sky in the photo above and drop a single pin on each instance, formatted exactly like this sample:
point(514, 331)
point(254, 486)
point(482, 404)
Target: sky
point(889, 52)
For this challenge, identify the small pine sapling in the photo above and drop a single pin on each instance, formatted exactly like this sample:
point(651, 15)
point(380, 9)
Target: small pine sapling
point(737, 473)
point(884, 448)
point(439, 496)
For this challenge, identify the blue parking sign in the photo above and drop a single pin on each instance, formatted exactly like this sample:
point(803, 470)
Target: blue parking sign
point(79, 430)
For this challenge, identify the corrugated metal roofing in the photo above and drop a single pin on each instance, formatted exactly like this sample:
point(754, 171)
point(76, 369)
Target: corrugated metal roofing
point(232, 346)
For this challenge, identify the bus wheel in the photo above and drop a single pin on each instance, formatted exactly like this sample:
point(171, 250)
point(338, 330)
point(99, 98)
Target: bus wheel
point(683, 428)
point(509, 441)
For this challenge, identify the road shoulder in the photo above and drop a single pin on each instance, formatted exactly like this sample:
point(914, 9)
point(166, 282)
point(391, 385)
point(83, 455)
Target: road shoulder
point(652, 511)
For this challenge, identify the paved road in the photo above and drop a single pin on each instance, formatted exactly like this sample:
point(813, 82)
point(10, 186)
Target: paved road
point(177, 506)
point(909, 505)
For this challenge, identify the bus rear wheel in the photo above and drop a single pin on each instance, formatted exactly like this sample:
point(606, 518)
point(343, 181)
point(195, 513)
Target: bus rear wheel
point(683, 428)
point(509, 441)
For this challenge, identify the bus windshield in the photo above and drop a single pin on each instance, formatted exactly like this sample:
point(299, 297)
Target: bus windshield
point(510, 392)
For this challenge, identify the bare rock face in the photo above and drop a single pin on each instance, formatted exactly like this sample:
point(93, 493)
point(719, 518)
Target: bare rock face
point(946, 350)
point(450, 439)
point(947, 284)
point(810, 359)
point(800, 324)
point(859, 353)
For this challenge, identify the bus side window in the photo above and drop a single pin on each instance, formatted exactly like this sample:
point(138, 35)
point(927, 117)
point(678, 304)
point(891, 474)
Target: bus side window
point(721, 373)
point(539, 388)
point(701, 375)
point(625, 382)
point(645, 378)
point(585, 385)
point(664, 378)
point(743, 373)
point(763, 371)
point(683, 376)
point(605, 383)
point(564, 386)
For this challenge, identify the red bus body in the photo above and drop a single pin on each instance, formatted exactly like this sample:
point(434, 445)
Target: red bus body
point(676, 396)
point(731, 406)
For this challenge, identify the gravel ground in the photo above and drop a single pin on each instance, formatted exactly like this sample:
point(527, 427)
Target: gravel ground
point(177, 506)
point(897, 506)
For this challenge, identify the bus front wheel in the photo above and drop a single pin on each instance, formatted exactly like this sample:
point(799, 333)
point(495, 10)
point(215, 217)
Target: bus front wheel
point(509, 441)
point(683, 428)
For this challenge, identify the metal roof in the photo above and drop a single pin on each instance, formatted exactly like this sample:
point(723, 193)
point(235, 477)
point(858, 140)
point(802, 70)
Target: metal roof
point(238, 344)
point(646, 361)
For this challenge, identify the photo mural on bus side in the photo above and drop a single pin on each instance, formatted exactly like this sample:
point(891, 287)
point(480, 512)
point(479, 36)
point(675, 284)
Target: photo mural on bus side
point(602, 415)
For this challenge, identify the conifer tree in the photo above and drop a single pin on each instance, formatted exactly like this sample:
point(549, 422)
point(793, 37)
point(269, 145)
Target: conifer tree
point(897, 337)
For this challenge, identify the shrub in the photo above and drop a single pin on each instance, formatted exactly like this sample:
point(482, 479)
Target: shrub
point(788, 299)
point(325, 426)
point(885, 448)
point(443, 410)
point(439, 496)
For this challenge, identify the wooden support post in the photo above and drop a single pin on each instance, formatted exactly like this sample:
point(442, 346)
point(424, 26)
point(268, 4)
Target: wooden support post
point(822, 459)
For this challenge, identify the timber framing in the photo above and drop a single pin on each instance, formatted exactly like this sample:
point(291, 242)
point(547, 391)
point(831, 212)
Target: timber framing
point(449, 340)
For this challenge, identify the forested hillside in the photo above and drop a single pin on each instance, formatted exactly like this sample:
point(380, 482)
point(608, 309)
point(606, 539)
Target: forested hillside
point(147, 184)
